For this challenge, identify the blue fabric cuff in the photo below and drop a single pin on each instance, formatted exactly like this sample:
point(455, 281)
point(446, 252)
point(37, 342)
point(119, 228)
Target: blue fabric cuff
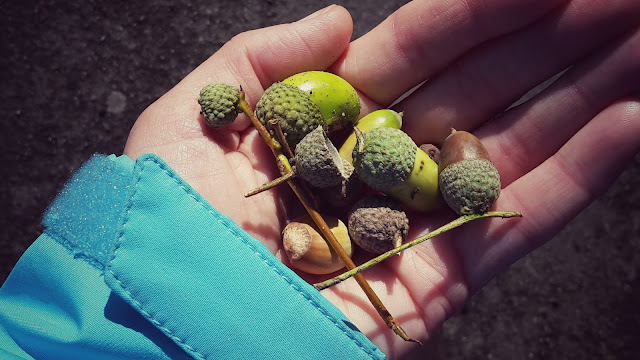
point(190, 271)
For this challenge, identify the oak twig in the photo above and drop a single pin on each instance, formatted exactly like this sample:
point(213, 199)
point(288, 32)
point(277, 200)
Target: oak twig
point(451, 225)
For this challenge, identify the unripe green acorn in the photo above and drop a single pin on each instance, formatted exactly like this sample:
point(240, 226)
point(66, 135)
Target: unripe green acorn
point(376, 119)
point(377, 224)
point(469, 182)
point(219, 104)
point(337, 100)
point(388, 160)
point(296, 113)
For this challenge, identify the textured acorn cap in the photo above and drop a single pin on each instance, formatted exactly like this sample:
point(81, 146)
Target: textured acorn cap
point(383, 157)
point(297, 113)
point(470, 186)
point(219, 104)
point(377, 224)
point(345, 193)
point(318, 161)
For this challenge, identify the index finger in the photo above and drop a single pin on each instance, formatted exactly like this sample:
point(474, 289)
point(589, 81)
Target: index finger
point(422, 37)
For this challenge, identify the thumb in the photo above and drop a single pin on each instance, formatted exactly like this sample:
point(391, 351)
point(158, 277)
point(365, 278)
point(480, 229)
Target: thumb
point(253, 60)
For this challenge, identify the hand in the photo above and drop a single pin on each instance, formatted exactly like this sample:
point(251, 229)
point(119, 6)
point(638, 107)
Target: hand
point(478, 59)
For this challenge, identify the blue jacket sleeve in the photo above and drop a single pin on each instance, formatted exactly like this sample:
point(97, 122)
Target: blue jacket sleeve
point(133, 263)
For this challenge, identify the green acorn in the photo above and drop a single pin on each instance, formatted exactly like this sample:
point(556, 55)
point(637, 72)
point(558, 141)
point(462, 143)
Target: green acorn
point(376, 119)
point(219, 104)
point(377, 224)
point(469, 181)
point(388, 160)
point(337, 100)
point(296, 113)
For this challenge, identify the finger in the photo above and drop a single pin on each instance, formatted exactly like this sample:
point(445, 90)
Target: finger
point(489, 79)
point(553, 193)
point(422, 37)
point(253, 60)
point(527, 135)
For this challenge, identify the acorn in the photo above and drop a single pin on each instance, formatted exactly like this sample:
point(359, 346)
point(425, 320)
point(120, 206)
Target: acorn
point(378, 224)
point(337, 100)
point(296, 113)
point(389, 161)
point(308, 251)
point(469, 182)
point(219, 104)
point(316, 161)
point(376, 119)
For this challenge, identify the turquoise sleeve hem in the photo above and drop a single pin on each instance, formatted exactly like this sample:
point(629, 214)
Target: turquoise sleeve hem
point(199, 283)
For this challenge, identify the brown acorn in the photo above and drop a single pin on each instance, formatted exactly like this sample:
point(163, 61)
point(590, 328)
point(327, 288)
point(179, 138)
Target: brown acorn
point(468, 180)
point(378, 224)
point(309, 251)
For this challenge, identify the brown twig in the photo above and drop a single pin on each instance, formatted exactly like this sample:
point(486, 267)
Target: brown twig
point(285, 167)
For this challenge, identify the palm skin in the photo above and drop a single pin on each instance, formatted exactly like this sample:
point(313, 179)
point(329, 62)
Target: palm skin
point(478, 58)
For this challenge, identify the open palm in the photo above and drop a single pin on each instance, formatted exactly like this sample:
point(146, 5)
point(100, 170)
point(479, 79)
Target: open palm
point(556, 152)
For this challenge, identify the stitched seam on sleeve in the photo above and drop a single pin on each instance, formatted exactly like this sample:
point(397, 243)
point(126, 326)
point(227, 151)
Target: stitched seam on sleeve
point(137, 303)
point(188, 191)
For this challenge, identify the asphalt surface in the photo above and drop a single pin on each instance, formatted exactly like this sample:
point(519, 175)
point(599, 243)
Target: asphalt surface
point(76, 75)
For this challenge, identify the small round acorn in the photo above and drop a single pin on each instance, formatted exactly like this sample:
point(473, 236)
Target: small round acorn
point(296, 113)
point(388, 160)
point(337, 100)
point(219, 104)
point(308, 251)
point(469, 182)
point(317, 160)
point(377, 224)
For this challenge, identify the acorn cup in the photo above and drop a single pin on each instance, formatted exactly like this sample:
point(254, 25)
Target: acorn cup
point(219, 104)
point(378, 224)
point(469, 182)
point(296, 113)
point(316, 161)
point(376, 119)
point(389, 161)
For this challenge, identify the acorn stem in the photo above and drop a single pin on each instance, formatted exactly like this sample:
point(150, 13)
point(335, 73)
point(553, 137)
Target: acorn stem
point(280, 135)
point(449, 226)
point(309, 205)
point(271, 184)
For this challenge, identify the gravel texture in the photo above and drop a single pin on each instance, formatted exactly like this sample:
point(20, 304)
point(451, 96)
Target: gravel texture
point(77, 74)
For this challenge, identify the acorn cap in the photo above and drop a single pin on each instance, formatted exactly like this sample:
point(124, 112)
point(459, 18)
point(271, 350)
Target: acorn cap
point(345, 193)
point(468, 180)
point(317, 160)
point(383, 157)
point(219, 104)
point(297, 114)
point(377, 224)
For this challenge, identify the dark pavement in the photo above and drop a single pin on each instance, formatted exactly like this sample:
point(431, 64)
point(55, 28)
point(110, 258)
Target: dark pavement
point(76, 75)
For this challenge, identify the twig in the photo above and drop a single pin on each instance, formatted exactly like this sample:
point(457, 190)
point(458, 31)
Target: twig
point(285, 167)
point(453, 224)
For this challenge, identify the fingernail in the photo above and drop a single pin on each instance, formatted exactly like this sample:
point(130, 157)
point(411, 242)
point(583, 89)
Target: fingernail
point(317, 13)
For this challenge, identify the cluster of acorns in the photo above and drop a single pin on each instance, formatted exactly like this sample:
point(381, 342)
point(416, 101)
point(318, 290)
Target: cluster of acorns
point(311, 106)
